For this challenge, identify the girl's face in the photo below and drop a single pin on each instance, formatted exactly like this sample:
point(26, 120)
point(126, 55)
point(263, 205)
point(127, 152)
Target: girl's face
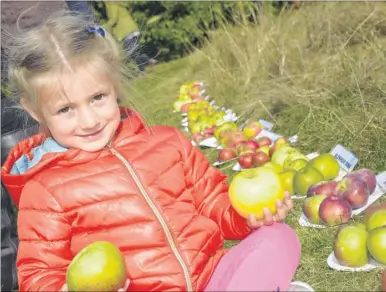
point(80, 111)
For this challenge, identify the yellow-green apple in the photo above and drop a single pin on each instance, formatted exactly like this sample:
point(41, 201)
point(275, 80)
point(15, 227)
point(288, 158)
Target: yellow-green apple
point(305, 178)
point(377, 219)
point(327, 188)
point(334, 210)
point(254, 189)
point(326, 164)
point(354, 190)
point(226, 154)
point(350, 246)
point(100, 266)
point(368, 176)
point(297, 164)
point(287, 179)
point(311, 208)
point(245, 160)
point(280, 155)
point(294, 156)
point(281, 141)
point(273, 166)
point(225, 127)
point(371, 210)
point(376, 244)
point(259, 159)
point(252, 129)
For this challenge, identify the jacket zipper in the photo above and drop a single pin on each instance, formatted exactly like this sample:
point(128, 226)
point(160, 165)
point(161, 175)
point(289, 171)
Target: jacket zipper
point(158, 215)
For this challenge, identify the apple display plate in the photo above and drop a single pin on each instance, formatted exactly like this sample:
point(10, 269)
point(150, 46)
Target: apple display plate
point(303, 221)
point(335, 265)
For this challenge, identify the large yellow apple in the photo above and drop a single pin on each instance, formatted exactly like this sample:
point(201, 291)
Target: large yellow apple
point(254, 189)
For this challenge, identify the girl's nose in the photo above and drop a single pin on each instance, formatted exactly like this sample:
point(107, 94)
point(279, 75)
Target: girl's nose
point(88, 119)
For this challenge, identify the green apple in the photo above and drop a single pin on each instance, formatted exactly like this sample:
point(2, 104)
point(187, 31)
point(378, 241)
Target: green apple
point(305, 178)
point(377, 219)
point(277, 168)
point(311, 208)
point(297, 164)
point(350, 246)
point(225, 127)
point(376, 244)
point(287, 178)
point(294, 156)
point(280, 155)
point(326, 164)
point(100, 266)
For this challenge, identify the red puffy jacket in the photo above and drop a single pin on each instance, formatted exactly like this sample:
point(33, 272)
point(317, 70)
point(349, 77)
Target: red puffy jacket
point(151, 194)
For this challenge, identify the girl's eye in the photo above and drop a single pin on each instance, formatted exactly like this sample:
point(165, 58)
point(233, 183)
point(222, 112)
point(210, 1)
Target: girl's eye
point(64, 110)
point(99, 97)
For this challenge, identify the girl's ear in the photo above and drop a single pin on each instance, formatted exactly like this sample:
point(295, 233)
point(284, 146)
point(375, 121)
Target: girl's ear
point(27, 106)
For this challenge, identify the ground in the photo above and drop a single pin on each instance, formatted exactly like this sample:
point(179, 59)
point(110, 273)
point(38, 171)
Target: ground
point(318, 72)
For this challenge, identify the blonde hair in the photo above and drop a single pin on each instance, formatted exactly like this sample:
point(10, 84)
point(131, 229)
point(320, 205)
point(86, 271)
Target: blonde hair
point(64, 40)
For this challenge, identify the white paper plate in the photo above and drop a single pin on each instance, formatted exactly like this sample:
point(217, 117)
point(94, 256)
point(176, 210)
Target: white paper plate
point(335, 265)
point(378, 193)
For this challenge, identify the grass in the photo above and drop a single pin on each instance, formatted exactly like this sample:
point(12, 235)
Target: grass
point(318, 72)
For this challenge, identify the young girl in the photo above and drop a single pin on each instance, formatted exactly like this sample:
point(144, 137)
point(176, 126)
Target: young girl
point(95, 172)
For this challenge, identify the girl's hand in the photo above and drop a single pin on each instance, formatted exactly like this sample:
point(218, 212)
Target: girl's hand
point(282, 212)
point(124, 289)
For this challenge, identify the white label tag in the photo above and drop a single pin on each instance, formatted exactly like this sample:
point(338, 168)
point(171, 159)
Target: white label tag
point(381, 180)
point(266, 125)
point(347, 160)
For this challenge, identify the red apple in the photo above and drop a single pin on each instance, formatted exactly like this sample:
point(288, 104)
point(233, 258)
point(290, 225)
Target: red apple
point(246, 147)
point(264, 141)
point(368, 176)
point(260, 158)
point(237, 137)
point(245, 160)
point(334, 210)
point(226, 154)
point(327, 188)
point(197, 137)
point(354, 190)
point(209, 131)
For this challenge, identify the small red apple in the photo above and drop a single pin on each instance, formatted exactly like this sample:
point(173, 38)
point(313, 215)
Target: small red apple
point(327, 188)
point(210, 131)
point(260, 158)
point(264, 141)
point(354, 190)
point(197, 137)
point(245, 160)
point(226, 154)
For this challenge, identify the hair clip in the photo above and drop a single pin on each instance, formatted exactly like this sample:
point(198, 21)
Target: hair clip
point(96, 30)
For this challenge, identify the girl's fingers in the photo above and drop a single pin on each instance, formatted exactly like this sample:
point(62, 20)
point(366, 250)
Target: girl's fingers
point(288, 200)
point(268, 217)
point(281, 211)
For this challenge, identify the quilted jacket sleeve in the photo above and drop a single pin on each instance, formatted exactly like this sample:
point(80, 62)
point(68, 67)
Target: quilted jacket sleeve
point(44, 234)
point(210, 192)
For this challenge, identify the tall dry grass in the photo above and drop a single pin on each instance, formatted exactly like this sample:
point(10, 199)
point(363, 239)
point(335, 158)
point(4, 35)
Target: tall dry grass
point(318, 72)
